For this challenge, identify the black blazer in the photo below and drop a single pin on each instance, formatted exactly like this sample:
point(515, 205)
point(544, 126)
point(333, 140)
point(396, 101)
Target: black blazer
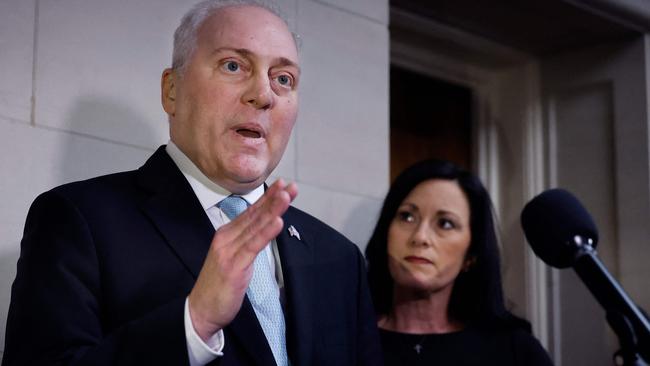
point(106, 265)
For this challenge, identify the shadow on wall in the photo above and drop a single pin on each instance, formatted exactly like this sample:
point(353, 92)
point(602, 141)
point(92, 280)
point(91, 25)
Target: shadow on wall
point(80, 154)
point(108, 136)
point(7, 273)
point(361, 222)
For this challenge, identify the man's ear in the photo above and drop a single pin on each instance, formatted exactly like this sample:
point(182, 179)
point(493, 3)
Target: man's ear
point(168, 91)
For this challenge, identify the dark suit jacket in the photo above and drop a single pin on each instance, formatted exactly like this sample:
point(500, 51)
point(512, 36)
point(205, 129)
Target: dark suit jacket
point(106, 265)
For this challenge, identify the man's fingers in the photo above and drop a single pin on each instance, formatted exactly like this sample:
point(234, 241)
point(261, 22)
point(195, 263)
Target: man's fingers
point(256, 228)
point(274, 202)
point(248, 229)
point(260, 223)
point(292, 189)
point(265, 222)
point(253, 212)
point(252, 247)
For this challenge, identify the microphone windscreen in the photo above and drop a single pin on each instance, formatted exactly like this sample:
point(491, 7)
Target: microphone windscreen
point(551, 220)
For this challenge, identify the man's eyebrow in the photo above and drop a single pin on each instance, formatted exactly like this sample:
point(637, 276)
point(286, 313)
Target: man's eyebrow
point(281, 61)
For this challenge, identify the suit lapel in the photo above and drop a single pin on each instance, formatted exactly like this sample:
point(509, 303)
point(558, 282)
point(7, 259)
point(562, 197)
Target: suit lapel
point(175, 210)
point(297, 258)
point(248, 331)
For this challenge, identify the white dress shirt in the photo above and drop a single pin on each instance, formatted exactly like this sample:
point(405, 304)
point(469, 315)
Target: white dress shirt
point(209, 194)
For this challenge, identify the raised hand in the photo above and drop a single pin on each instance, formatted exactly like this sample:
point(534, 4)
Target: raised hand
point(219, 290)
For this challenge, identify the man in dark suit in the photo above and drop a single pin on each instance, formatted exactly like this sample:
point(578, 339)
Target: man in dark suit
point(159, 266)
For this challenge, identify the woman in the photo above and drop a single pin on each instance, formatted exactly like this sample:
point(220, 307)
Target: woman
point(433, 268)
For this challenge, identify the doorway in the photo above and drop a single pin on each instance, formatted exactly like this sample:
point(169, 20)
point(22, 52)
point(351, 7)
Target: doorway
point(429, 118)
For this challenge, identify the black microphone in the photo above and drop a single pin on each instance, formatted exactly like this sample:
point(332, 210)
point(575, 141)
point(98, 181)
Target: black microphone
point(562, 234)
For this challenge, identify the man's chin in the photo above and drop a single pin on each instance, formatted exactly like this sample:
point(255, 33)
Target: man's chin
point(248, 172)
point(246, 181)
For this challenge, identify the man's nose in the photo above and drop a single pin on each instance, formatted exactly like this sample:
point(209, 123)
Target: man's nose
point(259, 94)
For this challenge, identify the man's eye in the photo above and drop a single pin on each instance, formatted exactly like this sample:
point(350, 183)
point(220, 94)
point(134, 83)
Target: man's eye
point(285, 80)
point(232, 66)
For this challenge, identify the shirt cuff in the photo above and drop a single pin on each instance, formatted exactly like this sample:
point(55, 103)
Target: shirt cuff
point(199, 352)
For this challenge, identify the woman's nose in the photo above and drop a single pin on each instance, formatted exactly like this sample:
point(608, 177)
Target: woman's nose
point(422, 236)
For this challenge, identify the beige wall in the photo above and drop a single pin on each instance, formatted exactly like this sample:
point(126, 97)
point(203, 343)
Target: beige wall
point(80, 97)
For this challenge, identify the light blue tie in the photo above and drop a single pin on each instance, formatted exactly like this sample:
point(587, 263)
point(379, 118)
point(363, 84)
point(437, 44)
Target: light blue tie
point(263, 291)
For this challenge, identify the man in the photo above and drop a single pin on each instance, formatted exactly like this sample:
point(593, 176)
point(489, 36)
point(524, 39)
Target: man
point(127, 269)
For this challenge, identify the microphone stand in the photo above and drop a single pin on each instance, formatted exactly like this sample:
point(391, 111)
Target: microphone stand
point(624, 317)
point(628, 354)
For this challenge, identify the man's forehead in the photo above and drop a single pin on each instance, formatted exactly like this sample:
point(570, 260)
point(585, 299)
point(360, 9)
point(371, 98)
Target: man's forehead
point(244, 52)
point(251, 30)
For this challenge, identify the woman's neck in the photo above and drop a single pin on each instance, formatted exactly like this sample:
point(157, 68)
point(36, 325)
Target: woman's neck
point(420, 313)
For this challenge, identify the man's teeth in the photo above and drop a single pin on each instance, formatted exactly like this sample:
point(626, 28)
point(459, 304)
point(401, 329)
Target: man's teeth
point(249, 133)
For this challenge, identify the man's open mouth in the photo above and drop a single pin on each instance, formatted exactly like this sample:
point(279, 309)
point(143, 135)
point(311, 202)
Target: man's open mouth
point(249, 133)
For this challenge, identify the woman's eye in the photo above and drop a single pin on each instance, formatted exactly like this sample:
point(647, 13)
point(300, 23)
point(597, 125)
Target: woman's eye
point(232, 66)
point(446, 224)
point(405, 216)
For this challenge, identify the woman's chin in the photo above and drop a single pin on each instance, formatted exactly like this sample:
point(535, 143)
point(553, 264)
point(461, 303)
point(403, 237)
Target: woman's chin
point(419, 287)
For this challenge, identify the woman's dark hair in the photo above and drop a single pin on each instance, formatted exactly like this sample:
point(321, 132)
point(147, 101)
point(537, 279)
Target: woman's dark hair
point(477, 296)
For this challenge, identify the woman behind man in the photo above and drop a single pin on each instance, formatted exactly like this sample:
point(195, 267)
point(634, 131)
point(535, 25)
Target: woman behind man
point(434, 273)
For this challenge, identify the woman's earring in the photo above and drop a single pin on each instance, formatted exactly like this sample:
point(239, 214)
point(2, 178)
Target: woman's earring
point(469, 263)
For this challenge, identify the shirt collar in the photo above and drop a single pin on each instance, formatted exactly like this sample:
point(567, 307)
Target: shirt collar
point(208, 192)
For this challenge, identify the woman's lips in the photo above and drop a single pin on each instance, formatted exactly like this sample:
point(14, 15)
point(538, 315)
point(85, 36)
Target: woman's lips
point(417, 260)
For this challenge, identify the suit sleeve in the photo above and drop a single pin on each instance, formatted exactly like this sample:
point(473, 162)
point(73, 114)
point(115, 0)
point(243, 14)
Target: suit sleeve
point(55, 315)
point(369, 351)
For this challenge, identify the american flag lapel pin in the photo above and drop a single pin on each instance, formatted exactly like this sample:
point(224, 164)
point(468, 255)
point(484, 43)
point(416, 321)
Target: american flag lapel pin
point(294, 232)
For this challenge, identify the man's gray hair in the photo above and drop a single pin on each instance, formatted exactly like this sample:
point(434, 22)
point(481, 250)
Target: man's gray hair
point(185, 36)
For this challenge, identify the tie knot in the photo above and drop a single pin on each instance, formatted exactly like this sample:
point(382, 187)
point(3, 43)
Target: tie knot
point(232, 206)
